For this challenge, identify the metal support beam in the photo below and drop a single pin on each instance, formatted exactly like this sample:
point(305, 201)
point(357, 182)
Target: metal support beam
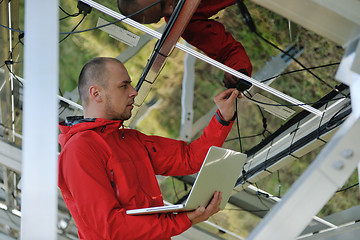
point(41, 54)
point(10, 156)
point(187, 97)
point(349, 70)
point(325, 175)
point(349, 231)
point(5, 94)
point(321, 17)
point(328, 172)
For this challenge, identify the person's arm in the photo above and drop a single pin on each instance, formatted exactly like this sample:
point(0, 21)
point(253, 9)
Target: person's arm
point(86, 187)
point(173, 158)
point(219, 45)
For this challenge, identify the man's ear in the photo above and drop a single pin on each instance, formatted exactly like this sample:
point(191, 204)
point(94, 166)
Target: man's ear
point(95, 93)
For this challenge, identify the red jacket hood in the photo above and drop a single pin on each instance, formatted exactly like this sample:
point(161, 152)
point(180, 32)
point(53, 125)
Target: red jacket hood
point(74, 125)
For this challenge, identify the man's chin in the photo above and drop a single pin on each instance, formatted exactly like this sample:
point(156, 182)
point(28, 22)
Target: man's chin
point(126, 117)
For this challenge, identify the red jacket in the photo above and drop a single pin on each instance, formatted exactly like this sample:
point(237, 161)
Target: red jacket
point(210, 36)
point(104, 170)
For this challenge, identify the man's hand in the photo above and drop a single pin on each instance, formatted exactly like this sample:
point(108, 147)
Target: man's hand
point(225, 101)
point(202, 214)
point(230, 81)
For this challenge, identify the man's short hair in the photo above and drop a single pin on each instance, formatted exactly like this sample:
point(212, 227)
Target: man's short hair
point(93, 72)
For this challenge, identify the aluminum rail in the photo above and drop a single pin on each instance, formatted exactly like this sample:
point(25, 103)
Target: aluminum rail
point(74, 104)
point(202, 57)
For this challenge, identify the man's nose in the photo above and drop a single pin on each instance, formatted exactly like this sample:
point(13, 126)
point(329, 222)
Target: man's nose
point(133, 92)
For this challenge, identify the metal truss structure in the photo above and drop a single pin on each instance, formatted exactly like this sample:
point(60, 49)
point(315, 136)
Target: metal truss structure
point(28, 174)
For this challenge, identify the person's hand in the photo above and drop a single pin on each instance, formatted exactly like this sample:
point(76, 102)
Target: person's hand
point(202, 214)
point(225, 101)
point(230, 81)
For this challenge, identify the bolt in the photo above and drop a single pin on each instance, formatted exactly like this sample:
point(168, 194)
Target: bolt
point(338, 165)
point(347, 153)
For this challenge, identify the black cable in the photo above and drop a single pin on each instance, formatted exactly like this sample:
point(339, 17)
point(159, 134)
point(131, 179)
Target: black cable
point(116, 21)
point(252, 27)
point(68, 14)
point(94, 28)
point(250, 136)
point(11, 29)
point(14, 48)
point(264, 120)
point(299, 70)
point(257, 194)
point(12, 62)
point(7, 66)
point(294, 105)
point(255, 135)
point(344, 189)
point(64, 108)
point(73, 28)
point(293, 58)
point(21, 36)
point(63, 18)
point(237, 125)
point(333, 122)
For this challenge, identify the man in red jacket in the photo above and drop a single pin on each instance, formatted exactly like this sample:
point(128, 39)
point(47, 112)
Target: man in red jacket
point(206, 34)
point(105, 169)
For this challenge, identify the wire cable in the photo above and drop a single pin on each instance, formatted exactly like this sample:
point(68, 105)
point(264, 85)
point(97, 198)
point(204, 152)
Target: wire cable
point(299, 70)
point(237, 125)
point(294, 105)
point(293, 58)
point(68, 14)
point(347, 188)
point(7, 66)
point(247, 19)
point(250, 136)
point(11, 29)
point(97, 27)
point(82, 19)
point(334, 122)
point(116, 21)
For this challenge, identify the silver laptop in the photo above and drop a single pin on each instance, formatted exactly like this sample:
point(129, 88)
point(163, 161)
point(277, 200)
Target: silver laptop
point(219, 172)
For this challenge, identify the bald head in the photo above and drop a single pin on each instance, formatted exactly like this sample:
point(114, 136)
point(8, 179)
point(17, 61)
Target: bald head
point(94, 72)
point(105, 89)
